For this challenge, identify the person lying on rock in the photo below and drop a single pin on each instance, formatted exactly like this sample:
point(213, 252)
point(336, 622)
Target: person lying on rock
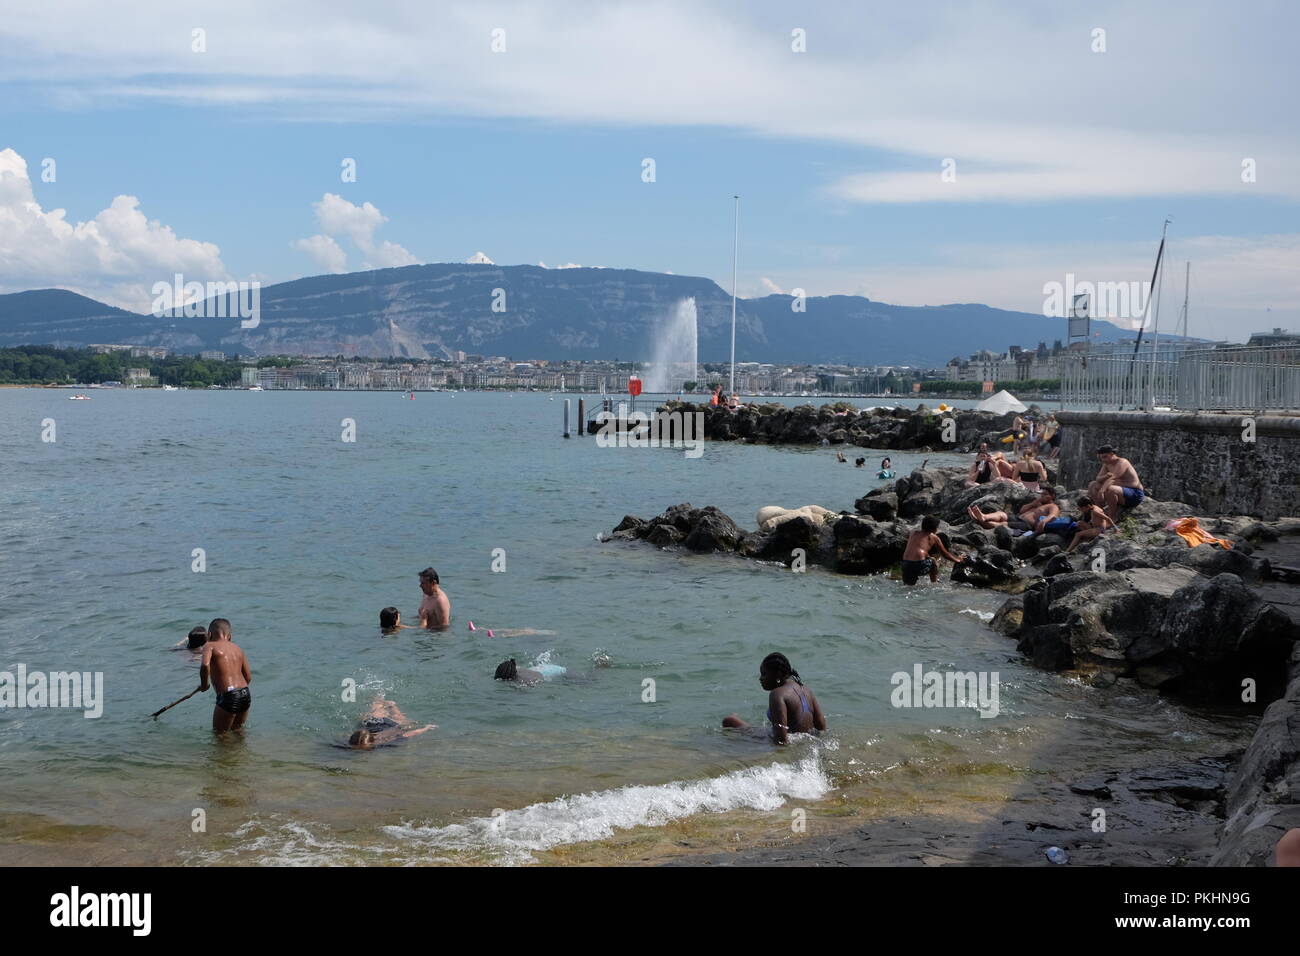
point(1117, 484)
point(1035, 514)
point(791, 707)
point(1003, 469)
point(1092, 521)
point(916, 556)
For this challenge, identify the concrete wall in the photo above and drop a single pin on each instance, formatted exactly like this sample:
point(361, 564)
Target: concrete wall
point(1201, 459)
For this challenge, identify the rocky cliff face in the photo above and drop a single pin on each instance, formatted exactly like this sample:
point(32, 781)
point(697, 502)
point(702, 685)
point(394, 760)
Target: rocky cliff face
point(431, 310)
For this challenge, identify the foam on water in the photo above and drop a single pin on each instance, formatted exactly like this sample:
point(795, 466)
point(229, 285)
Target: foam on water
point(515, 834)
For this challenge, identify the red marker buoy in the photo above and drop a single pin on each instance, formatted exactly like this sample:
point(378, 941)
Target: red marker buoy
point(634, 386)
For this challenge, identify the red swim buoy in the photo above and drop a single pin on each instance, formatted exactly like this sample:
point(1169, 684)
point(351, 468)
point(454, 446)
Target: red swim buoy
point(634, 386)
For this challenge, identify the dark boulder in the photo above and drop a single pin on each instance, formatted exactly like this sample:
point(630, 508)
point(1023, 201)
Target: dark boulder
point(664, 535)
point(987, 568)
point(862, 545)
point(712, 531)
point(878, 507)
point(1169, 627)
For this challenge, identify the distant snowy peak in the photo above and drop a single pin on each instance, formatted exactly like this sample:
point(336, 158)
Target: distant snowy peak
point(480, 259)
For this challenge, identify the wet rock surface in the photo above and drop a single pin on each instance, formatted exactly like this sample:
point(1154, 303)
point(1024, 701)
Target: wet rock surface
point(1161, 816)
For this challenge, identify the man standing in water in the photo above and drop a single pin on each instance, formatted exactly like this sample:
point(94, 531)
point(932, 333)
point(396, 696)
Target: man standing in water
point(435, 609)
point(226, 667)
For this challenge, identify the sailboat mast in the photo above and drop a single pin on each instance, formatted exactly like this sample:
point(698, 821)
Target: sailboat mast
point(1187, 284)
point(735, 255)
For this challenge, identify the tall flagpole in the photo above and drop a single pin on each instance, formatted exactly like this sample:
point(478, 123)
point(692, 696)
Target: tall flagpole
point(735, 253)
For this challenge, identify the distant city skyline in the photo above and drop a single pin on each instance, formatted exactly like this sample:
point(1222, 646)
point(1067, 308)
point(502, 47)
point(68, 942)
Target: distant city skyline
point(916, 157)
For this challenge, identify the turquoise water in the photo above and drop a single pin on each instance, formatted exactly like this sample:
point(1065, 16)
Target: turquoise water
point(307, 537)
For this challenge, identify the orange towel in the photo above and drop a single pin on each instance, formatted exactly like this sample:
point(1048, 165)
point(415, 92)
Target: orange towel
point(1190, 530)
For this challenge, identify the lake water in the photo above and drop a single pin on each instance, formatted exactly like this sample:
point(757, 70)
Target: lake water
point(307, 537)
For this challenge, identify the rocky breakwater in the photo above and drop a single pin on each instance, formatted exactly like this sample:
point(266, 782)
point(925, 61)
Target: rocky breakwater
point(1138, 603)
point(921, 429)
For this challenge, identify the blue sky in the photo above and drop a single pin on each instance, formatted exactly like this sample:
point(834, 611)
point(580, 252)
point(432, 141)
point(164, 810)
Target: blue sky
point(1067, 158)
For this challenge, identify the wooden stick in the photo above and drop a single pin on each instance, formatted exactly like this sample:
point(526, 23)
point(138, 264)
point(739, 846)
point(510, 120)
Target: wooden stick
point(155, 714)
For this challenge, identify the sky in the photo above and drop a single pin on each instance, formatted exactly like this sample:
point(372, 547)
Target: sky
point(918, 154)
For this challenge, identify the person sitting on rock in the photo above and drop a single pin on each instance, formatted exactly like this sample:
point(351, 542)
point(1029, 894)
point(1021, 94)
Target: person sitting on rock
point(1092, 521)
point(916, 556)
point(1035, 514)
point(981, 471)
point(1031, 471)
point(1117, 484)
point(792, 708)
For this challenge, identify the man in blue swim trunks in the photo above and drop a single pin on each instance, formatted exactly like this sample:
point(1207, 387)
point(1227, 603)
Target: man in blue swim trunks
point(1116, 485)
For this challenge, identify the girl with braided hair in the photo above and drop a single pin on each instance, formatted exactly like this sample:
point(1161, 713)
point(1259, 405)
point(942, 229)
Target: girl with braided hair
point(791, 707)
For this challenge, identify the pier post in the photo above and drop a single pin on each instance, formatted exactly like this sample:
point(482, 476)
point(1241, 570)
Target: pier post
point(582, 416)
point(566, 418)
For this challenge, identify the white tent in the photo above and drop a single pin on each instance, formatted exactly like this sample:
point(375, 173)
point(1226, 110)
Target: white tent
point(1001, 403)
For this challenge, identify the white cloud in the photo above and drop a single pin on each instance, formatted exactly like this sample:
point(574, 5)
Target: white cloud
point(1014, 94)
point(771, 287)
point(115, 257)
point(338, 217)
point(480, 258)
point(327, 253)
point(570, 265)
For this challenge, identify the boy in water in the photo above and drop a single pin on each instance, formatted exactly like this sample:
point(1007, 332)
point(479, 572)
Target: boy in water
point(226, 667)
point(390, 620)
point(435, 609)
point(198, 636)
point(916, 556)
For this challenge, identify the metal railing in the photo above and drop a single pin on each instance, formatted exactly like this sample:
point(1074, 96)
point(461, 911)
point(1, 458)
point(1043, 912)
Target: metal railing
point(1240, 378)
point(1235, 378)
point(1113, 381)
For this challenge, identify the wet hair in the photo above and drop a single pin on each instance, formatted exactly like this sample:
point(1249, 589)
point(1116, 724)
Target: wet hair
point(198, 636)
point(778, 665)
point(1027, 453)
point(388, 617)
point(1085, 502)
point(1047, 490)
point(506, 670)
point(1106, 450)
point(361, 738)
point(930, 523)
point(885, 463)
point(428, 574)
point(219, 627)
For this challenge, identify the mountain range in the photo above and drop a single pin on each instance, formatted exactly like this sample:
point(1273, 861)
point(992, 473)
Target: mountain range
point(435, 310)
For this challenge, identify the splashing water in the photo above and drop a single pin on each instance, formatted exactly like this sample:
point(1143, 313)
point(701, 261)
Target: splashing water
point(675, 358)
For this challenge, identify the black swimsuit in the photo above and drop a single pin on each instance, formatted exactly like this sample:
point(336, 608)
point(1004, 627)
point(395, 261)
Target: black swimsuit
point(235, 701)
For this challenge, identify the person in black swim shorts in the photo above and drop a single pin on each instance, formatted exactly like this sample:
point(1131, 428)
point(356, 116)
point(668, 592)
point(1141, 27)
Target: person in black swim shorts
point(384, 724)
